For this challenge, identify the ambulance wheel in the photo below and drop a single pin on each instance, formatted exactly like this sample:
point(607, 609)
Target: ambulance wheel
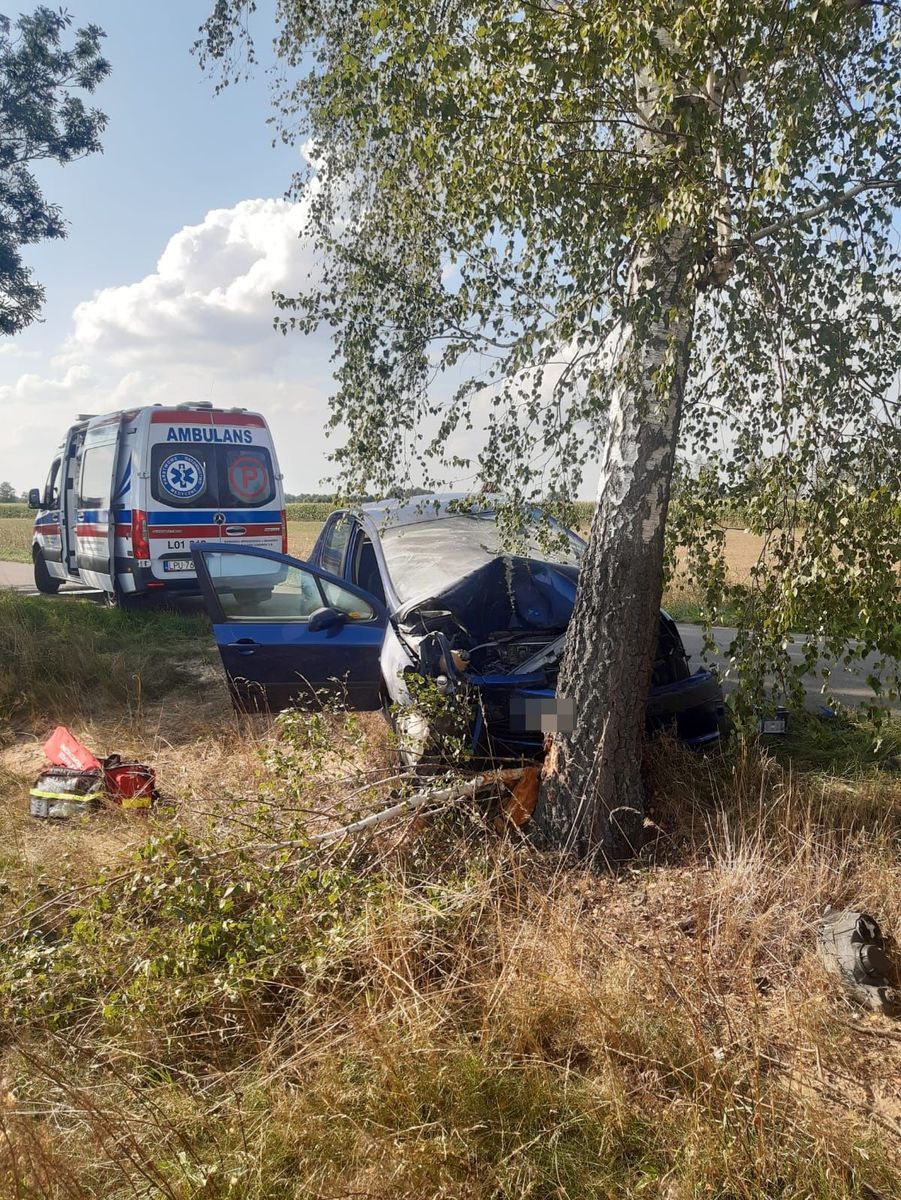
point(119, 599)
point(43, 580)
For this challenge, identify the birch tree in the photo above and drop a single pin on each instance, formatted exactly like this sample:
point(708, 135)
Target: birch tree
point(590, 236)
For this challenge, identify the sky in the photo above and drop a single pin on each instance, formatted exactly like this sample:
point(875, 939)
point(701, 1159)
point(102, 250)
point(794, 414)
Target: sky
point(178, 234)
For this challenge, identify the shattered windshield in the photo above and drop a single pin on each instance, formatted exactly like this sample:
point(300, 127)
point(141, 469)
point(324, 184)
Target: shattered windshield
point(426, 557)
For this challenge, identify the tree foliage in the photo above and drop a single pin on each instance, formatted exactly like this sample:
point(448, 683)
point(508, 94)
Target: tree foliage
point(482, 177)
point(42, 117)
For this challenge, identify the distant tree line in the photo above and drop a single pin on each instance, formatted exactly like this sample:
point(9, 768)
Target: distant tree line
point(331, 498)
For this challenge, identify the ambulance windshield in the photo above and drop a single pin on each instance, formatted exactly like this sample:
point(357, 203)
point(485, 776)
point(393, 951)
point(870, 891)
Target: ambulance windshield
point(211, 476)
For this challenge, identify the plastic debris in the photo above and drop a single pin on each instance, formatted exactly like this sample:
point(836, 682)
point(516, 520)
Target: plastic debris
point(62, 792)
point(777, 724)
point(852, 949)
point(131, 784)
point(64, 750)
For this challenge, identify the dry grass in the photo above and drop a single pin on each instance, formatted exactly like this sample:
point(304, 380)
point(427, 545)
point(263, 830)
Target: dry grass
point(15, 539)
point(444, 1014)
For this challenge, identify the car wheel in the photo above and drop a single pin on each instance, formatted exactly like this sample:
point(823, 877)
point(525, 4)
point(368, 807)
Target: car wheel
point(43, 580)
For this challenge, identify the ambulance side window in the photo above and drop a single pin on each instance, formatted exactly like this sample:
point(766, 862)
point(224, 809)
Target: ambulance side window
point(51, 487)
point(95, 481)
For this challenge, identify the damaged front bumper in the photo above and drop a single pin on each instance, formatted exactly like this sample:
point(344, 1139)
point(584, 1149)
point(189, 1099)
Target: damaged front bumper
point(692, 707)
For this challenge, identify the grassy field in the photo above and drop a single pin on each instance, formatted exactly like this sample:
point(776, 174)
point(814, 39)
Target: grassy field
point(198, 1003)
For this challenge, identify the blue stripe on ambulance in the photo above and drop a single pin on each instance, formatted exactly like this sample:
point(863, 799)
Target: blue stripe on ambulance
point(244, 516)
point(94, 516)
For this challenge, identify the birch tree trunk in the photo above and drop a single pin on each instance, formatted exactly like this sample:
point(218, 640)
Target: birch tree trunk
point(591, 802)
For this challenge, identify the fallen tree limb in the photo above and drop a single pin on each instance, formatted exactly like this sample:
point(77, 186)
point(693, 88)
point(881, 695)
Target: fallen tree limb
point(448, 795)
point(453, 794)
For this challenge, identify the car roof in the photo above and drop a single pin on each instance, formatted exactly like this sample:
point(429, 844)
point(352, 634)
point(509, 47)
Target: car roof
point(392, 513)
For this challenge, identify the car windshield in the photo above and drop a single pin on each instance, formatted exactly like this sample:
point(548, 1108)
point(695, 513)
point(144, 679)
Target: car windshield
point(426, 557)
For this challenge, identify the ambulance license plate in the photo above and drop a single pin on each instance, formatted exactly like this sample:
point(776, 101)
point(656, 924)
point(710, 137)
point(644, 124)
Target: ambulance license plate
point(178, 564)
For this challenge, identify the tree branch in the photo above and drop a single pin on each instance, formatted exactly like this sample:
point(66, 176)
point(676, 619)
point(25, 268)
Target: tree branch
point(808, 214)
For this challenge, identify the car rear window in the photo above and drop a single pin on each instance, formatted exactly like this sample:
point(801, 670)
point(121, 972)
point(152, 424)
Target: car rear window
point(200, 476)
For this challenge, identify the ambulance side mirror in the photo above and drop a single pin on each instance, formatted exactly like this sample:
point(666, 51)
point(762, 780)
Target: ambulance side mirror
point(34, 498)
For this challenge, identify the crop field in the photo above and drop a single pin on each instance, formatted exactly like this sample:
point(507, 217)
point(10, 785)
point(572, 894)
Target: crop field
point(15, 539)
point(301, 536)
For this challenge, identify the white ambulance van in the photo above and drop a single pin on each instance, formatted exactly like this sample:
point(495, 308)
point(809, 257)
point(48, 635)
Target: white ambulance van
point(128, 492)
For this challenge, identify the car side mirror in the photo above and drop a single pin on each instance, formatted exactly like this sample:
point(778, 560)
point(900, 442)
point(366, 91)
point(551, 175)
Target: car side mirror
point(326, 618)
point(34, 498)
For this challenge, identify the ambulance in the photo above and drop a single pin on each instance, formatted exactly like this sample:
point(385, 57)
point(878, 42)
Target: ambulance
point(128, 492)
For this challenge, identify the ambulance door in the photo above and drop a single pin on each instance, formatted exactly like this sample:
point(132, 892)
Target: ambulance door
point(94, 520)
point(48, 525)
point(68, 509)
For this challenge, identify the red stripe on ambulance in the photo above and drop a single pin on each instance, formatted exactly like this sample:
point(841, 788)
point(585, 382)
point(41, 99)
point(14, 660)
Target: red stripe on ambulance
point(207, 418)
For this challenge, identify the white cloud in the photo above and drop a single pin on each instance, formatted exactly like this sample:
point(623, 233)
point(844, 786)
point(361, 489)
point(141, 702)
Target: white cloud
point(211, 293)
point(197, 328)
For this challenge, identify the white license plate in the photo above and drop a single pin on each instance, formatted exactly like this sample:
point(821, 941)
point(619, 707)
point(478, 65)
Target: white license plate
point(178, 564)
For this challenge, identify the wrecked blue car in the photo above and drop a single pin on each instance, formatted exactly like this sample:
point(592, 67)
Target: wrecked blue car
point(397, 593)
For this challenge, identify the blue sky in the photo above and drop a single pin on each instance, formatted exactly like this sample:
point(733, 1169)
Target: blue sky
point(172, 151)
point(193, 172)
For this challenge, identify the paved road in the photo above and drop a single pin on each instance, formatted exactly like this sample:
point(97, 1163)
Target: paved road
point(849, 685)
point(19, 577)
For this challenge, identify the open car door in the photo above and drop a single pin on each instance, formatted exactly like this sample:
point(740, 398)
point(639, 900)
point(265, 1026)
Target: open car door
point(289, 632)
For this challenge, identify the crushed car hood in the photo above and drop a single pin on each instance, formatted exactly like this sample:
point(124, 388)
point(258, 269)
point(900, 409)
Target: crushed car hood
point(509, 593)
